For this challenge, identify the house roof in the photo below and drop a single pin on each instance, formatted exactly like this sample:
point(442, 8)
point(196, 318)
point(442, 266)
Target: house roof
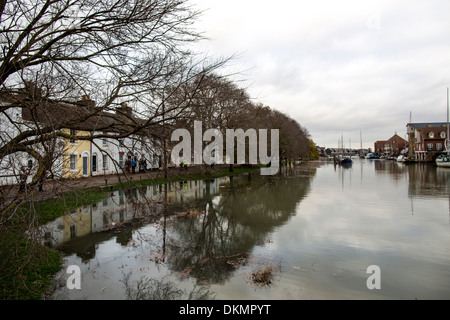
point(426, 124)
point(437, 130)
point(80, 115)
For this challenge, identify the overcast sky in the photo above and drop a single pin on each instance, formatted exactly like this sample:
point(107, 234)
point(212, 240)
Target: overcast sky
point(337, 67)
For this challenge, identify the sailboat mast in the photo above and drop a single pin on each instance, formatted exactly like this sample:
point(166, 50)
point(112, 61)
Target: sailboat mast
point(360, 139)
point(447, 145)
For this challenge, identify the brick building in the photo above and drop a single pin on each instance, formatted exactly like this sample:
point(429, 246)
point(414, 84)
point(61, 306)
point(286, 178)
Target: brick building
point(391, 147)
point(426, 140)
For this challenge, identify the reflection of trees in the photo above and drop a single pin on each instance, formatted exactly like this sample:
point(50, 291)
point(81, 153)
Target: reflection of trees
point(210, 245)
point(152, 289)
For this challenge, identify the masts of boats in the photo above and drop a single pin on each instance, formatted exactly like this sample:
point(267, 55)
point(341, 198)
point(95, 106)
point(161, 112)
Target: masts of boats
point(342, 159)
point(444, 159)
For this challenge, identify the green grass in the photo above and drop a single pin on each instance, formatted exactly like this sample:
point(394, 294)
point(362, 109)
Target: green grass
point(53, 208)
point(27, 268)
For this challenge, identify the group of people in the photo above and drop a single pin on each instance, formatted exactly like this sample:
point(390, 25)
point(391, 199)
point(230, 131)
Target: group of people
point(131, 165)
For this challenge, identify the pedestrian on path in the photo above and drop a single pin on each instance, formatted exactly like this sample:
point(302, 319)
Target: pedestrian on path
point(23, 176)
point(133, 166)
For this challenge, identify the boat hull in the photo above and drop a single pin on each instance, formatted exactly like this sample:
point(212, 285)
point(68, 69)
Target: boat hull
point(443, 162)
point(346, 162)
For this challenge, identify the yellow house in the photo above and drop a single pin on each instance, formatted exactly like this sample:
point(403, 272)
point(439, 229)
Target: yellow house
point(77, 155)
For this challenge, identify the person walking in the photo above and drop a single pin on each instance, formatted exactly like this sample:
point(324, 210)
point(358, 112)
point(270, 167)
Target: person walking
point(23, 176)
point(127, 166)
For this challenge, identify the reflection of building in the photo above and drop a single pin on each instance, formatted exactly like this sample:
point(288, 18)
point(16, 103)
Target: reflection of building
point(73, 225)
point(426, 140)
point(391, 147)
point(123, 206)
point(191, 190)
point(428, 181)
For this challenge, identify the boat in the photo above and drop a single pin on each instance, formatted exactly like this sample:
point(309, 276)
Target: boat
point(342, 159)
point(346, 162)
point(443, 160)
point(372, 156)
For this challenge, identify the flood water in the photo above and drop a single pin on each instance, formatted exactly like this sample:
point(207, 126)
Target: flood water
point(316, 228)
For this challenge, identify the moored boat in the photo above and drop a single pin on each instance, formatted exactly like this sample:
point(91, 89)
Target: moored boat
point(372, 156)
point(443, 161)
point(346, 161)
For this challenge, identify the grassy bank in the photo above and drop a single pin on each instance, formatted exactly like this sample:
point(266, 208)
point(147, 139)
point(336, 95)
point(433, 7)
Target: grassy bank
point(53, 208)
point(27, 268)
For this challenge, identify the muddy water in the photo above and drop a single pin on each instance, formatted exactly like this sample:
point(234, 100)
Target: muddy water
point(316, 229)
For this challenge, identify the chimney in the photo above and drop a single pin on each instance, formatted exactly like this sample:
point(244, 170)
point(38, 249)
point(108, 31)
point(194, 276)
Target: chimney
point(124, 109)
point(33, 89)
point(86, 102)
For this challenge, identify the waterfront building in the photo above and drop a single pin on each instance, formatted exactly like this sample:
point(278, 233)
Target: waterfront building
point(391, 147)
point(426, 140)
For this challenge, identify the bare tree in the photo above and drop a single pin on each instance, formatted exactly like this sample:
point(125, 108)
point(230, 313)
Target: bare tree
point(116, 52)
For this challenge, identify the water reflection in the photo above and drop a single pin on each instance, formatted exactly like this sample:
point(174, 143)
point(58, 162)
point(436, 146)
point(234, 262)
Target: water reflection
point(239, 217)
point(80, 230)
point(202, 230)
point(323, 225)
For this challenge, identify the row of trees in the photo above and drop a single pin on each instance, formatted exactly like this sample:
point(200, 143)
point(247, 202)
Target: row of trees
point(53, 52)
point(116, 51)
point(220, 104)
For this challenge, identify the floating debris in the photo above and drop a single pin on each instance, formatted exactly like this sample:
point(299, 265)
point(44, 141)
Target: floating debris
point(264, 275)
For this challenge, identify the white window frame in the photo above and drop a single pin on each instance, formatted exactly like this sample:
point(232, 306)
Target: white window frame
point(104, 161)
point(73, 132)
point(121, 160)
point(73, 164)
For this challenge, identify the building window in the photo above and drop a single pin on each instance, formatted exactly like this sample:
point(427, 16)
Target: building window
point(105, 161)
point(443, 135)
point(121, 160)
point(438, 146)
point(73, 132)
point(430, 147)
point(73, 232)
point(431, 135)
point(104, 142)
point(73, 162)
